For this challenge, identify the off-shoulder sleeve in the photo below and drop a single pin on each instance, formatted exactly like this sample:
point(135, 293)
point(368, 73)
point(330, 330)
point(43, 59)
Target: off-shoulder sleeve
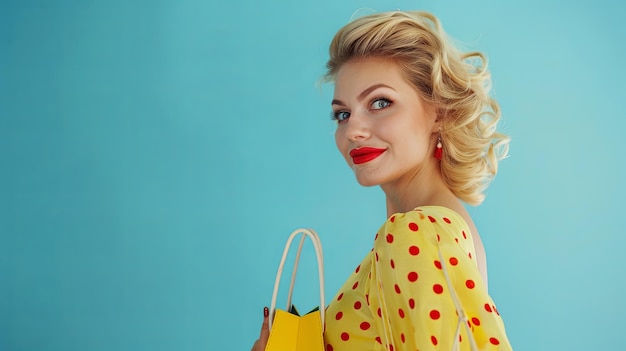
point(427, 288)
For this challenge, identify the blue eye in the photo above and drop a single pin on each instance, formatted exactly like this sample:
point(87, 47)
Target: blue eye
point(380, 104)
point(340, 116)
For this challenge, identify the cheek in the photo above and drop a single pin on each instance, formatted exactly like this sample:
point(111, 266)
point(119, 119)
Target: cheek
point(342, 144)
point(339, 140)
point(408, 137)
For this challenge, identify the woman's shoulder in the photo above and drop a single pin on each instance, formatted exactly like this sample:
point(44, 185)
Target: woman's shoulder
point(426, 226)
point(431, 216)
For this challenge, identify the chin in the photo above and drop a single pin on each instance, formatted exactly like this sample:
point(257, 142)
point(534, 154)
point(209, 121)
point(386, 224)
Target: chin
point(367, 181)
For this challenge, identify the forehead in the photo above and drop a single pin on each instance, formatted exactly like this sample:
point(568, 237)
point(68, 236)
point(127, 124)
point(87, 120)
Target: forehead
point(358, 74)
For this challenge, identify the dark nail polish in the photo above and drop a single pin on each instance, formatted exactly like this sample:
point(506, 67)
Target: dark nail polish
point(266, 312)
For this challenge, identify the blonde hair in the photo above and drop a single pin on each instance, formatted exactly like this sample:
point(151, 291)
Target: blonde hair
point(456, 83)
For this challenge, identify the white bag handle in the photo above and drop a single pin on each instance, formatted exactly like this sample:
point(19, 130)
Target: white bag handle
point(462, 318)
point(311, 234)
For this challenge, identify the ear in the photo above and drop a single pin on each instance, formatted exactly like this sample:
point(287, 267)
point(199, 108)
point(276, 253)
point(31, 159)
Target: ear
point(438, 115)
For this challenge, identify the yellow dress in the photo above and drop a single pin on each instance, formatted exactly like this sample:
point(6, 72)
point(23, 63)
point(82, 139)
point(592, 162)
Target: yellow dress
point(419, 288)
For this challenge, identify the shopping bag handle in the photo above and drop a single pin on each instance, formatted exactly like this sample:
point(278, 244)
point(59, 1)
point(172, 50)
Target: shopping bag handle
point(311, 234)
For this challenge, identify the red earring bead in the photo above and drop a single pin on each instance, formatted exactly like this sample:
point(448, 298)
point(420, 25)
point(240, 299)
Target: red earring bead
point(439, 149)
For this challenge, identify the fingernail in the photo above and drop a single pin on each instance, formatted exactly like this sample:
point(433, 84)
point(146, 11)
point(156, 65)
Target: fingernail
point(266, 312)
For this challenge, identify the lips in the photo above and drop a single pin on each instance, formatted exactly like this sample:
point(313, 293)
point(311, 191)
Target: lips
point(365, 154)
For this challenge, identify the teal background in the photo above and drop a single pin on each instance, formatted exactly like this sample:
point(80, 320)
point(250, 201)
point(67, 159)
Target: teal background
point(154, 156)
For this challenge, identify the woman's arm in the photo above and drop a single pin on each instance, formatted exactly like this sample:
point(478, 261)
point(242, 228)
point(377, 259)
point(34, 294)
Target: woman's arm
point(426, 266)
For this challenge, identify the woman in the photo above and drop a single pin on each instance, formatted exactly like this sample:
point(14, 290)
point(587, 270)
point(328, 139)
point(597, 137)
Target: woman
point(414, 117)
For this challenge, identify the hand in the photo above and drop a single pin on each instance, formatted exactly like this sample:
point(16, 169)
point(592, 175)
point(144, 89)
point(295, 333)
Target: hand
point(259, 345)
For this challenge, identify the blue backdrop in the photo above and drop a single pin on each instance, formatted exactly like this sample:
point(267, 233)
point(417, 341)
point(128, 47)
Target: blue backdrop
point(154, 156)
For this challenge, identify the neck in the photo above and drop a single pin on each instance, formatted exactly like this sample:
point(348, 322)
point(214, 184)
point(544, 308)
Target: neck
point(425, 187)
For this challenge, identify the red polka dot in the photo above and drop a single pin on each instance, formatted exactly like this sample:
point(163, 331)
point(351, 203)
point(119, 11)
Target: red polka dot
point(345, 336)
point(438, 289)
point(438, 264)
point(476, 321)
point(377, 257)
point(413, 226)
point(390, 347)
point(494, 341)
point(432, 219)
point(357, 305)
point(376, 237)
point(367, 299)
point(460, 338)
point(393, 218)
point(358, 268)
point(340, 297)
point(454, 261)
point(389, 238)
point(469, 255)
point(401, 313)
point(356, 284)
point(365, 326)
point(433, 339)
point(403, 338)
point(464, 235)
point(378, 340)
point(470, 284)
point(411, 303)
point(495, 309)
point(488, 308)
point(434, 314)
point(438, 237)
point(339, 315)
point(412, 276)
point(457, 240)
point(393, 264)
point(414, 250)
point(329, 347)
point(379, 313)
point(397, 287)
point(446, 220)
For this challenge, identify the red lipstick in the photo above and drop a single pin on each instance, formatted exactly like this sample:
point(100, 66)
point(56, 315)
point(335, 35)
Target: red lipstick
point(365, 154)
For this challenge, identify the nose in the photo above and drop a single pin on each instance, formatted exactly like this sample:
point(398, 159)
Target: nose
point(357, 128)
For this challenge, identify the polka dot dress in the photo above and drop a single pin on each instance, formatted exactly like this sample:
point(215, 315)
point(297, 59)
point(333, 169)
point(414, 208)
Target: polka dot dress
point(399, 298)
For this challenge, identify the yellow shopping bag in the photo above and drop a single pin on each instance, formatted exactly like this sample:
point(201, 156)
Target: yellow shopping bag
point(288, 330)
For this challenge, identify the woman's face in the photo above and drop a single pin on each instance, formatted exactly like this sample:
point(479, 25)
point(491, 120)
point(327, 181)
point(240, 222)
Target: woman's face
point(385, 131)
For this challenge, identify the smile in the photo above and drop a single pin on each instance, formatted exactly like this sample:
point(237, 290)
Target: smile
point(365, 154)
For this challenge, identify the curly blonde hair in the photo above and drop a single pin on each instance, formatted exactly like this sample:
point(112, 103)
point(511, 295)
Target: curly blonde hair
point(456, 83)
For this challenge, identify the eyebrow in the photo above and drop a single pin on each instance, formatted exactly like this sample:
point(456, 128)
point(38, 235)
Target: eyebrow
point(364, 93)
